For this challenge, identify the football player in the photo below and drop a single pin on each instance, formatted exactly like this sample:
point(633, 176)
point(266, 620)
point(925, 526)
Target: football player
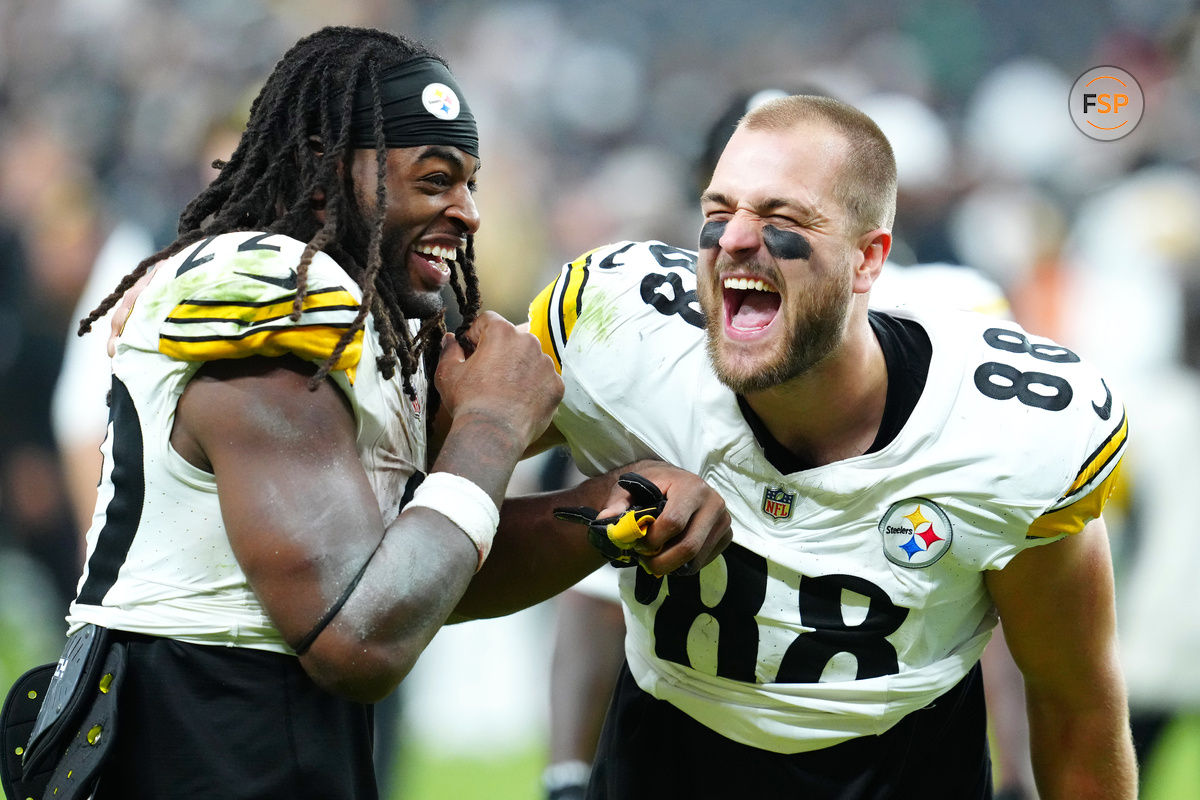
point(589, 629)
point(896, 480)
point(272, 547)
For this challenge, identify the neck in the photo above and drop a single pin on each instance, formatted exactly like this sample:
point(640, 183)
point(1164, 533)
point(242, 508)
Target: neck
point(833, 410)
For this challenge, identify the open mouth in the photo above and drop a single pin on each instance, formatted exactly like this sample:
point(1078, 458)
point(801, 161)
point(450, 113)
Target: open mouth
point(751, 304)
point(439, 257)
point(431, 265)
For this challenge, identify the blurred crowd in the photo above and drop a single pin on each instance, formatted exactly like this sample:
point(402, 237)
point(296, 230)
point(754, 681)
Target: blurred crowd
point(591, 116)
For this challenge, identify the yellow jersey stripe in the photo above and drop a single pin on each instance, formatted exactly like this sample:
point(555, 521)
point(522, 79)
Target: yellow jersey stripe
point(1072, 518)
point(539, 323)
point(250, 313)
point(555, 310)
point(571, 303)
point(1102, 456)
point(311, 342)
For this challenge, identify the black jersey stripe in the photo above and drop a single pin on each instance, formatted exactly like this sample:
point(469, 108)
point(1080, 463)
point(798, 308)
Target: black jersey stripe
point(257, 330)
point(550, 336)
point(257, 320)
point(578, 300)
point(570, 305)
point(286, 298)
point(1098, 462)
point(124, 511)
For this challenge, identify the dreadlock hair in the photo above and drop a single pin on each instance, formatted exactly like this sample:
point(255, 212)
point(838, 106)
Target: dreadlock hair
point(270, 181)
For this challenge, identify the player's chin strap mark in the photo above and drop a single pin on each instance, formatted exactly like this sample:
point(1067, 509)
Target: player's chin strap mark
point(615, 536)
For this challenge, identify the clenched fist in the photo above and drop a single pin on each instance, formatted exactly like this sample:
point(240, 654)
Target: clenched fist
point(506, 378)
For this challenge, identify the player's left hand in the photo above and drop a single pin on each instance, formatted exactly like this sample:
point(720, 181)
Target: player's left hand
point(691, 530)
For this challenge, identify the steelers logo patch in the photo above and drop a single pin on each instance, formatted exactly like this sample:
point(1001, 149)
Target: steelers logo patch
point(440, 100)
point(916, 532)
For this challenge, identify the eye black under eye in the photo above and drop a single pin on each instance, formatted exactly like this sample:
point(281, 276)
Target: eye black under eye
point(786, 244)
point(711, 233)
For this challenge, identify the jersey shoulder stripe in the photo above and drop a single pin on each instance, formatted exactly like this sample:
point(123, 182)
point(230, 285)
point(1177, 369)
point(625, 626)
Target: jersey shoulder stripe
point(1050, 395)
point(238, 300)
point(1101, 462)
point(1072, 518)
point(555, 310)
point(193, 310)
point(1086, 497)
point(539, 322)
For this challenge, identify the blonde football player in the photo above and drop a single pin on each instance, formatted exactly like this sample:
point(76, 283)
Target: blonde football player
point(896, 480)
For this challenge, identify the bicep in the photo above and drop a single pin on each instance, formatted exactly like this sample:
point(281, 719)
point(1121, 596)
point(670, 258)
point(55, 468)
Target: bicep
point(1057, 605)
point(298, 510)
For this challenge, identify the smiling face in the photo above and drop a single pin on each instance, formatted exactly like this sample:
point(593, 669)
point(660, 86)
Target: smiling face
point(777, 256)
point(429, 213)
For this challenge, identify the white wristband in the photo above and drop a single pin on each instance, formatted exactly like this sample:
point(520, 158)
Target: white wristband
point(462, 502)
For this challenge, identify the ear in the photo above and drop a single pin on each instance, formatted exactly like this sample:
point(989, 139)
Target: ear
point(874, 247)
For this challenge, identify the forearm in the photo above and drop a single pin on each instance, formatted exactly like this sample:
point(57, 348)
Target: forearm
point(408, 588)
point(535, 556)
point(1081, 748)
point(484, 449)
point(421, 568)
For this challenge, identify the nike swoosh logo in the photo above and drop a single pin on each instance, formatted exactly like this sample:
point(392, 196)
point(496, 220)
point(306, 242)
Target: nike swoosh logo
point(288, 282)
point(1104, 411)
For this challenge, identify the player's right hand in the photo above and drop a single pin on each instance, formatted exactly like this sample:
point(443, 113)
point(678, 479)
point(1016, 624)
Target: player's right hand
point(506, 378)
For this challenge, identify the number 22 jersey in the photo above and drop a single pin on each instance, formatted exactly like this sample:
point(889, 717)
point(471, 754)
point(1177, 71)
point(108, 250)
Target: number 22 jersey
point(853, 592)
point(159, 561)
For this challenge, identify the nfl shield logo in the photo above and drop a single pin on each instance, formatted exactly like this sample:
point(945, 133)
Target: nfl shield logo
point(778, 503)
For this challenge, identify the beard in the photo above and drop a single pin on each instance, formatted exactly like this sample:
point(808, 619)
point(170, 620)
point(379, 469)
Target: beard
point(814, 326)
point(397, 282)
point(393, 282)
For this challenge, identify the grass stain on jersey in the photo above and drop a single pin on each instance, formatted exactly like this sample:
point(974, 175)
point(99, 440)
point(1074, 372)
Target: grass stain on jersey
point(258, 260)
point(234, 287)
point(598, 319)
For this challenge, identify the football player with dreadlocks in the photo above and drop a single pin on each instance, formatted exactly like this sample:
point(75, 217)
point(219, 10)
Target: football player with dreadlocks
point(271, 549)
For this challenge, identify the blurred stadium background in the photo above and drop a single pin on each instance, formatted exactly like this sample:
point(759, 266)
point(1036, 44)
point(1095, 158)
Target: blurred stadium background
point(591, 116)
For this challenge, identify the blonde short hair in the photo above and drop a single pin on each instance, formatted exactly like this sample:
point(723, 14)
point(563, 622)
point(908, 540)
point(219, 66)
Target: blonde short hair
point(866, 182)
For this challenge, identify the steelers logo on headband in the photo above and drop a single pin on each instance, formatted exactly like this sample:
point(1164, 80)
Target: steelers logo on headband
point(441, 101)
point(421, 105)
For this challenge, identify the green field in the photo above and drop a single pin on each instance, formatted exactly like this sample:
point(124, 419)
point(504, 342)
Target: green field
point(425, 772)
point(422, 773)
point(1173, 772)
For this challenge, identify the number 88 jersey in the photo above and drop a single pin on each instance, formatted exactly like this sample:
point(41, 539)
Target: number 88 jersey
point(853, 592)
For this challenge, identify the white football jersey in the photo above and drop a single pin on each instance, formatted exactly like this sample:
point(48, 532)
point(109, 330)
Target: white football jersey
point(853, 592)
point(939, 285)
point(158, 558)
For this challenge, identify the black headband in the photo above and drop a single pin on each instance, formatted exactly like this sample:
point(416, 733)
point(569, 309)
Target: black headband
point(422, 105)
